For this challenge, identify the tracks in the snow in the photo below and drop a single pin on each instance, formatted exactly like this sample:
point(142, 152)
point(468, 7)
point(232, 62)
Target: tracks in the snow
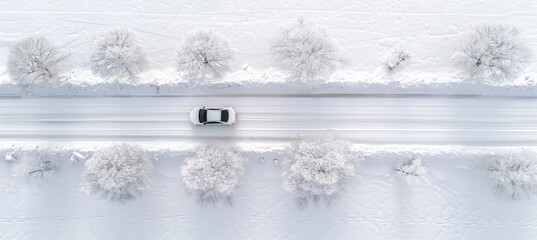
point(376, 120)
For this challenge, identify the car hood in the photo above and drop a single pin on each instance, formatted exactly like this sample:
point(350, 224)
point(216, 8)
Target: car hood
point(194, 115)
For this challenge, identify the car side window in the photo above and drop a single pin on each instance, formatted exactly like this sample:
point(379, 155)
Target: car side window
point(212, 123)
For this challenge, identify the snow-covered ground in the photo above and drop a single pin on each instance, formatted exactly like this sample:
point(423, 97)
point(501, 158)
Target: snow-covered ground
point(364, 31)
point(169, 82)
point(456, 202)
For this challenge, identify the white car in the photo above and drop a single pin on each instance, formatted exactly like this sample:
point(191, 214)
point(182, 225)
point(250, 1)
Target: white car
point(213, 116)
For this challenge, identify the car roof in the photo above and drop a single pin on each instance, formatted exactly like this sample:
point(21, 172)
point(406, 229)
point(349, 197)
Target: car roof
point(214, 115)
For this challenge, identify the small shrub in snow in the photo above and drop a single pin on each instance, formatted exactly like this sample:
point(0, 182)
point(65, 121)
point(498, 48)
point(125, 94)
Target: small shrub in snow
point(117, 173)
point(33, 168)
point(10, 157)
point(412, 171)
point(397, 60)
point(204, 53)
point(117, 54)
point(77, 157)
point(212, 174)
point(35, 61)
point(317, 169)
point(306, 51)
point(494, 51)
point(514, 175)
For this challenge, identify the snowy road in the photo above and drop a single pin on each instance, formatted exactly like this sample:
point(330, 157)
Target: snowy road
point(382, 120)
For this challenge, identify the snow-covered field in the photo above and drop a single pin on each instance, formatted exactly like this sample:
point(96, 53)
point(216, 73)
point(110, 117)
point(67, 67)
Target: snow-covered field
point(364, 31)
point(456, 201)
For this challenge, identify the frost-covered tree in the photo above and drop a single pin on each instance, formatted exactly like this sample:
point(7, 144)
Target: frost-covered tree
point(204, 53)
point(514, 175)
point(411, 171)
point(494, 52)
point(34, 168)
point(306, 51)
point(397, 59)
point(118, 173)
point(317, 169)
point(213, 173)
point(35, 61)
point(117, 54)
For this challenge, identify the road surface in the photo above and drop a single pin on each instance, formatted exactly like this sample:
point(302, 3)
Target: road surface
point(373, 120)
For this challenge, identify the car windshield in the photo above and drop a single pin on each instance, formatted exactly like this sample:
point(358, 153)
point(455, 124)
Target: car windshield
point(203, 115)
point(225, 116)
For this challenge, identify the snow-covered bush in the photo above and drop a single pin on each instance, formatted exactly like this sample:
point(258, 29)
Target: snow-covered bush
point(494, 52)
point(117, 54)
point(10, 156)
point(77, 157)
point(117, 173)
point(204, 53)
point(317, 169)
point(514, 175)
point(35, 61)
point(33, 168)
point(397, 60)
point(412, 171)
point(213, 173)
point(306, 51)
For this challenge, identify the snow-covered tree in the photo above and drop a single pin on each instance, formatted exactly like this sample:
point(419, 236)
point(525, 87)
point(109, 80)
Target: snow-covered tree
point(34, 168)
point(117, 54)
point(306, 51)
point(118, 173)
point(317, 169)
point(494, 52)
point(411, 171)
point(397, 59)
point(35, 61)
point(204, 54)
point(514, 174)
point(213, 173)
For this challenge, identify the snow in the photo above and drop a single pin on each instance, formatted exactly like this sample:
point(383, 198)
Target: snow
point(411, 171)
point(364, 31)
point(306, 51)
point(317, 169)
point(212, 174)
point(117, 173)
point(77, 157)
point(10, 157)
point(456, 203)
point(116, 55)
point(368, 119)
point(204, 54)
point(249, 81)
